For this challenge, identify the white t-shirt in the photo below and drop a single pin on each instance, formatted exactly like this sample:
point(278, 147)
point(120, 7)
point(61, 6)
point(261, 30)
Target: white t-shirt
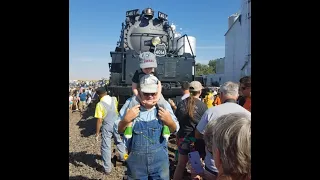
point(89, 92)
point(89, 100)
point(70, 98)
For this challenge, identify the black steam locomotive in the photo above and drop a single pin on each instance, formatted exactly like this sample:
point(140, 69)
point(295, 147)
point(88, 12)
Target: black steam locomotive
point(143, 32)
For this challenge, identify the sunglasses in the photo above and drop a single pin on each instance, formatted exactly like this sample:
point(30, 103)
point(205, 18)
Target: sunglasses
point(243, 88)
point(149, 94)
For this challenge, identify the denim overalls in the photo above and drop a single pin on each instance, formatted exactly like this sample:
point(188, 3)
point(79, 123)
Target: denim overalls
point(107, 132)
point(148, 158)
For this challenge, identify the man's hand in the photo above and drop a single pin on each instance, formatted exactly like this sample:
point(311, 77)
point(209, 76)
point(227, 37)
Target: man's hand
point(164, 114)
point(166, 118)
point(132, 113)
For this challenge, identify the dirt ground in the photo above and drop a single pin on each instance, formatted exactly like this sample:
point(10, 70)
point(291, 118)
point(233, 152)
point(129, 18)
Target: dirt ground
point(84, 152)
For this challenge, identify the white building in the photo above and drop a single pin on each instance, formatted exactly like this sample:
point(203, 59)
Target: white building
point(237, 62)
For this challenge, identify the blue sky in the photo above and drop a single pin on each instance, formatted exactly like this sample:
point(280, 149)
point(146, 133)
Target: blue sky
point(94, 29)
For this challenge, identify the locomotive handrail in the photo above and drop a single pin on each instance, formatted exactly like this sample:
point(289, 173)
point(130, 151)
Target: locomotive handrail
point(183, 44)
point(169, 38)
point(122, 53)
point(148, 34)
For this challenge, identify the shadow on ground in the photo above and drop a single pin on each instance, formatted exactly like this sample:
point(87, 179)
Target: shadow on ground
point(80, 178)
point(76, 158)
point(87, 122)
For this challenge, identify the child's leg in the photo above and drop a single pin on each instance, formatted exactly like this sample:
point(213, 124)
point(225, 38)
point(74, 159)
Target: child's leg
point(165, 131)
point(76, 103)
point(134, 101)
point(162, 101)
point(128, 131)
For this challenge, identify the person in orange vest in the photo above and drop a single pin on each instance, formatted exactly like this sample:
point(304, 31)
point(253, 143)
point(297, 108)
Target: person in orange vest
point(245, 90)
point(217, 99)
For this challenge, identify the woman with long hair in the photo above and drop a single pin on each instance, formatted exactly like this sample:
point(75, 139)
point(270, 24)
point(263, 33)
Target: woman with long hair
point(188, 113)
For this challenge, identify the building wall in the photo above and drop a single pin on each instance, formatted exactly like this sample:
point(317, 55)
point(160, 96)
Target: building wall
point(214, 78)
point(238, 45)
point(220, 66)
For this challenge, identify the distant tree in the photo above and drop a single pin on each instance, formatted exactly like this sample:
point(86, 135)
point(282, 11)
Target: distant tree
point(213, 65)
point(203, 69)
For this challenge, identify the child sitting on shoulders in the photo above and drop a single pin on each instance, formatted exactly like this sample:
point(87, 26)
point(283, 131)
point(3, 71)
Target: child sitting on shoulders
point(148, 63)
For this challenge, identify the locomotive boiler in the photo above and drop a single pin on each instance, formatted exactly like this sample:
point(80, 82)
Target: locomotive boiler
point(143, 32)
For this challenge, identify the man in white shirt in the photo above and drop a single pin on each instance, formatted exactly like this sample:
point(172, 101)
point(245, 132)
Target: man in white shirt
point(229, 93)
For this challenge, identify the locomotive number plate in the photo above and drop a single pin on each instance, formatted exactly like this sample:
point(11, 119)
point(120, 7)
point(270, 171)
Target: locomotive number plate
point(160, 50)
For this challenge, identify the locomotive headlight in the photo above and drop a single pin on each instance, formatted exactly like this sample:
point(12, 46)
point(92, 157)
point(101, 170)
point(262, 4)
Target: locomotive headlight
point(156, 40)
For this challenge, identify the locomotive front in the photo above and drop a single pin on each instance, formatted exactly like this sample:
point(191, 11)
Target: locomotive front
point(144, 32)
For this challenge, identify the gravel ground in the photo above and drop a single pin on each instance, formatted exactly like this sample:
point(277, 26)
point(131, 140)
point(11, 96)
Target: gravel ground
point(84, 152)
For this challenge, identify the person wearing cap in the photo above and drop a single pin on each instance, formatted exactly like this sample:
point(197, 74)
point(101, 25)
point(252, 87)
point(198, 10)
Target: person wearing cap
point(148, 63)
point(189, 112)
point(148, 149)
point(107, 113)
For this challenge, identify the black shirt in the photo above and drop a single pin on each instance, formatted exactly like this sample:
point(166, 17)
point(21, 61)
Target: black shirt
point(187, 125)
point(138, 75)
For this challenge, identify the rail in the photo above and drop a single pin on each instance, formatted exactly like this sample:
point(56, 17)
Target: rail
point(184, 44)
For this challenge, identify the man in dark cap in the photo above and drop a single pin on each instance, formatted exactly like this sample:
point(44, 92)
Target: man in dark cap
point(106, 113)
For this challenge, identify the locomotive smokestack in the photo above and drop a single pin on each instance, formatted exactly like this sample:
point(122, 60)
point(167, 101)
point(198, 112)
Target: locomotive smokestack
point(149, 13)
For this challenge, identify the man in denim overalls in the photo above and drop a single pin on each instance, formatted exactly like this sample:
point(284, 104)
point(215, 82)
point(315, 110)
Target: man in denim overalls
point(148, 154)
point(106, 112)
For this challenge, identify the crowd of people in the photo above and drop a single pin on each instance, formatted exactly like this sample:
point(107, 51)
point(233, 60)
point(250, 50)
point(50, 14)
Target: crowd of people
point(216, 126)
point(81, 97)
